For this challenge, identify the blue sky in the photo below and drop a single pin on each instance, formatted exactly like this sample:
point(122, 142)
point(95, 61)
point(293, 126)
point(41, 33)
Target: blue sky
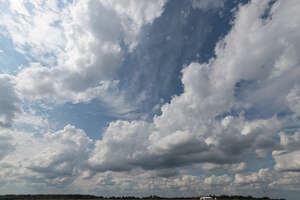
point(160, 96)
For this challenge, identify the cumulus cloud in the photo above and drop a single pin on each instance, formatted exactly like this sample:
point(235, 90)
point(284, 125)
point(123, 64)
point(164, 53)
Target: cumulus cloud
point(228, 167)
point(137, 14)
point(9, 100)
point(62, 156)
point(144, 183)
point(263, 176)
point(128, 146)
point(288, 180)
point(53, 159)
point(287, 161)
point(218, 180)
point(230, 113)
point(250, 61)
point(79, 45)
point(6, 144)
point(293, 99)
point(54, 87)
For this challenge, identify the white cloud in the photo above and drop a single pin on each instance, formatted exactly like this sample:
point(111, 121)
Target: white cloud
point(77, 43)
point(218, 180)
point(288, 157)
point(54, 86)
point(6, 144)
point(256, 70)
point(55, 158)
point(63, 154)
point(122, 145)
point(247, 75)
point(228, 167)
point(9, 100)
point(261, 177)
point(33, 29)
point(287, 161)
point(135, 14)
point(289, 181)
point(293, 99)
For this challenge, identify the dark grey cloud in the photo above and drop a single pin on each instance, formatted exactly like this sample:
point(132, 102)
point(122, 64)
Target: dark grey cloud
point(127, 146)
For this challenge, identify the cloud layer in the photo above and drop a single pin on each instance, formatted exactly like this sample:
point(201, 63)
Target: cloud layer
point(9, 102)
point(234, 128)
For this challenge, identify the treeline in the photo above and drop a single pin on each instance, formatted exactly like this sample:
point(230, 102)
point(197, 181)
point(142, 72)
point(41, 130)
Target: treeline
point(92, 197)
point(47, 196)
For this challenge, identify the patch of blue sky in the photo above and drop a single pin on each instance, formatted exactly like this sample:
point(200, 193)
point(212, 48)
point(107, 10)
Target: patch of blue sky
point(35, 109)
point(47, 59)
point(64, 3)
point(4, 5)
point(28, 128)
point(198, 171)
point(29, 6)
point(260, 163)
point(92, 117)
point(11, 61)
point(56, 23)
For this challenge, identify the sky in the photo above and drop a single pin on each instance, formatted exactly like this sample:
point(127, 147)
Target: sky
point(143, 97)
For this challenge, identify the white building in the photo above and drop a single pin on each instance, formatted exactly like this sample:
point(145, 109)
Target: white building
point(207, 198)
